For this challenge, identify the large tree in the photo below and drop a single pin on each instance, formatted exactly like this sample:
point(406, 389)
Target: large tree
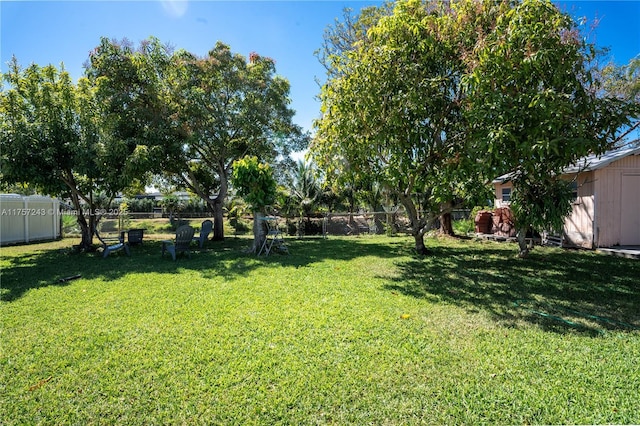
point(96, 137)
point(134, 104)
point(52, 138)
point(391, 109)
point(438, 94)
point(228, 107)
point(536, 107)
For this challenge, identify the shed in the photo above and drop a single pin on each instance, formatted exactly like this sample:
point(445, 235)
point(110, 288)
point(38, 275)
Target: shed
point(24, 219)
point(606, 209)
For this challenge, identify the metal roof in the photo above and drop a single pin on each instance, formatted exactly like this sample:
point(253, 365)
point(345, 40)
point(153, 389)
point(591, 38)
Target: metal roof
point(595, 162)
point(588, 163)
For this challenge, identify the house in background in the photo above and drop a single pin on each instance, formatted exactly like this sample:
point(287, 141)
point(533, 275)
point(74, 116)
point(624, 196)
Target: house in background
point(606, 209)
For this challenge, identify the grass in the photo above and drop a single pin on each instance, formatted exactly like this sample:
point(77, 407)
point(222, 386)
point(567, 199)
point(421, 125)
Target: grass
point(464, 226)
point(341, 331)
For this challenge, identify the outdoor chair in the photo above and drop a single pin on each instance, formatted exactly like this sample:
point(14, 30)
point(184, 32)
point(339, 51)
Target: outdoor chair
point(135, 236)
point(184, 236)
point(112, 243)
point(205, 230)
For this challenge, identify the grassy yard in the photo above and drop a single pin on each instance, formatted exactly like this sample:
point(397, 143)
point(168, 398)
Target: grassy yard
point(341, 331)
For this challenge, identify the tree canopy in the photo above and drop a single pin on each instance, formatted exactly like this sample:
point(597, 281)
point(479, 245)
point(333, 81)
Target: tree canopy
point(140, 111)
point(55, 136)
point(228, 107)
point(430, 98)
point(392, 110)
point(536, 107)
point(623, 82)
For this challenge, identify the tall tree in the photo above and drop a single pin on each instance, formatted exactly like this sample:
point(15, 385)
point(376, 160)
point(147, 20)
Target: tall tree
point(341, 37)
point(391, 109)
point(51, 137)
point(134, 106)
point(228, 107)
point(535, 108)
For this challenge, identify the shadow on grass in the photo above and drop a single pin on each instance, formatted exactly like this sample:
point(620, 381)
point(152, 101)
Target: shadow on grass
point(558, 290)
point(34, 266)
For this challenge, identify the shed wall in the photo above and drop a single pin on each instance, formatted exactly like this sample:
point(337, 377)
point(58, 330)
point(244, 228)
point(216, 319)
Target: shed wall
point(630, 214)
point(613, 225)
point(607, 210)
point(578, 226)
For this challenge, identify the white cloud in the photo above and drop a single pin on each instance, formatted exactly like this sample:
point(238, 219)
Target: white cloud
point(175, 8)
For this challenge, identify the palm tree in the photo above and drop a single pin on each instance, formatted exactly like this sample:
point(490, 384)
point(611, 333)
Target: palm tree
point(305, 191)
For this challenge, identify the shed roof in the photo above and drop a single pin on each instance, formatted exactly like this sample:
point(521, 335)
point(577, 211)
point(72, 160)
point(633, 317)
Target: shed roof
point(588, 163)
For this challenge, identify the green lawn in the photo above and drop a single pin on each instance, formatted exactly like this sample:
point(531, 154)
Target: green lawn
point(341, 331)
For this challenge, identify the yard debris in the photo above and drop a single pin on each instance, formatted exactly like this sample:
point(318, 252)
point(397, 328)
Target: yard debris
point(40, 384)
point(72, 277)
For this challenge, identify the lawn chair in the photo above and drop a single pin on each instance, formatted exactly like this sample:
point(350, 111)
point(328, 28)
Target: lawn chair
point(112, 243)
point(205, 230)
point(135, 236)
point(184, 236)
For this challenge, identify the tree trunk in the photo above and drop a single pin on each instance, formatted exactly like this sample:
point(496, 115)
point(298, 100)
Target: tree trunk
point(421, 249)
point(86, 243)
point(218, 220)
point(216, 205)
point(259, 232)
point(218, 211)
point(446, 224)
point(300, 230)
point(417, 225)
point(378, 223)
point(522, 243)
point(87, 228)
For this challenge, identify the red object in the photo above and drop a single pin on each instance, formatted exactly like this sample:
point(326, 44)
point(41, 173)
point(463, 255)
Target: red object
point(483, 222)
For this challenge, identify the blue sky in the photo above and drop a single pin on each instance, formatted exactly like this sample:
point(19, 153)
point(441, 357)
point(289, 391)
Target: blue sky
point(288, 31)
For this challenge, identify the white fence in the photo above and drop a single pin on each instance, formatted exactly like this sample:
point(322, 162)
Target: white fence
point(26, 219)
